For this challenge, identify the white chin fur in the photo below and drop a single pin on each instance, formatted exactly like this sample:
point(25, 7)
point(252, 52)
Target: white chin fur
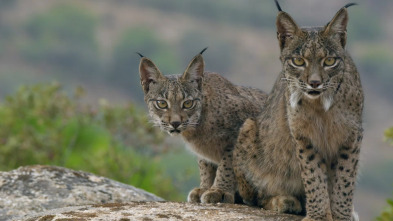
point(294, 99)
point(327, 102)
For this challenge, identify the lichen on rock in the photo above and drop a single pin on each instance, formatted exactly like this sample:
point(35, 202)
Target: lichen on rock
point(32, 189)
point(37, 193)
point(145, 211)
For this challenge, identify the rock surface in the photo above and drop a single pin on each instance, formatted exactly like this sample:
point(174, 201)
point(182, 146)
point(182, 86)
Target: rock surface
point(149, 211)
point(38, 193)
point(32, 189)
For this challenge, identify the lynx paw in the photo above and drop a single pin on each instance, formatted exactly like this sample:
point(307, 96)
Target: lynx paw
point(217, 196)
point(284, 204)
point(195, 195)
point(354, 217)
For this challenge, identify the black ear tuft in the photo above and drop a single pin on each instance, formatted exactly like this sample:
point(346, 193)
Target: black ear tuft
point(350, 4)
point(140, 54)
point(203, 50)
point(278, 5)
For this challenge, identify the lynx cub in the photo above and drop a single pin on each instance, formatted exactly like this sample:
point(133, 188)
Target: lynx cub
point(304, 147)
point(207, 111)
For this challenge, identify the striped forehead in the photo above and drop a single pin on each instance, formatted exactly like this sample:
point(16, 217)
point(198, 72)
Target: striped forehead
point(174, 91)
point(314, 44)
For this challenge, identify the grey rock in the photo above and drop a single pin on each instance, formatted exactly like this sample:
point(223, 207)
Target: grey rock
point(148, 211)
point(53, 193)
point(33, 189)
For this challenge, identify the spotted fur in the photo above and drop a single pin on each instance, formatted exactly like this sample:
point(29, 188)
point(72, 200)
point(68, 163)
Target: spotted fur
point(304, 147)
point(210, 127)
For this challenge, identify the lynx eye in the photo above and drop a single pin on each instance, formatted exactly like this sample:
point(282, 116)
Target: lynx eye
point(298, 61)
point(162, 104)
point(329, 61)
point(188, 104)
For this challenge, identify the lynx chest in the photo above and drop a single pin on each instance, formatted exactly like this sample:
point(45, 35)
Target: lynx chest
point(326, 130)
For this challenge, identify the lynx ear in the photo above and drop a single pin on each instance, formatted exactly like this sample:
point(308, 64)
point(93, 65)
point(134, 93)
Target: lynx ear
point(195, 69)
point(286, 28)
point(337, 27)
point(149, 73)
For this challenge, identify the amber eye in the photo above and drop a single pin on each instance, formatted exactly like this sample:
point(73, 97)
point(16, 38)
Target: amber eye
point(162, 104)
point(188, 104)
point(329, 61)
point(298, 61)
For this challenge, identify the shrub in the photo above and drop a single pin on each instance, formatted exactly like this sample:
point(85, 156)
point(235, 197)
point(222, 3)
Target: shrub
point(387, 214)
point(389, 136)
point(43, 125)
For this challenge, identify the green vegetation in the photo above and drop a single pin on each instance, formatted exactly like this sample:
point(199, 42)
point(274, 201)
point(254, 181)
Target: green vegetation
point(389, 135)
point(387, 214)
point(43, 125)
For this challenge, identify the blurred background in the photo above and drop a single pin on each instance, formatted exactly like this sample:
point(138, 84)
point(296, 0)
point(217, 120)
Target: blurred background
point(70, 92)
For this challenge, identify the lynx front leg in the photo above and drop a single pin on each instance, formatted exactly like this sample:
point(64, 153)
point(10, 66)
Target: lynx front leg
point(207, 172)
point(243, 152)
point(223, 189)
point(344, 181)
point(314, 180)
point(246, 190)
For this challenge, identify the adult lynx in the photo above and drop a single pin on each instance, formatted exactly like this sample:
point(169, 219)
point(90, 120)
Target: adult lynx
point(207, 111)
point(304, 147)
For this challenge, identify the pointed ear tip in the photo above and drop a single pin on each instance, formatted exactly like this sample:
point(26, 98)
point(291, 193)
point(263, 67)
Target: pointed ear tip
point(279, 17)
point(283, 15)
point(146, 63)
point(280, 13)
point(198, 57)
point(343, 10)
point(285, 23)
point(143, 60)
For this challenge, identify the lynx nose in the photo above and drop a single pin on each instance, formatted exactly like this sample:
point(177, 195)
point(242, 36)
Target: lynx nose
point(175, 124)
point(314, 84)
